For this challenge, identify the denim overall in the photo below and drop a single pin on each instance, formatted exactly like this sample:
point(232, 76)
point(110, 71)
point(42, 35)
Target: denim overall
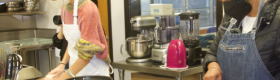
point(238, 55)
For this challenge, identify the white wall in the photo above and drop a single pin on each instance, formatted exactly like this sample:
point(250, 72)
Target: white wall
point(46, 21)
point(118, 34)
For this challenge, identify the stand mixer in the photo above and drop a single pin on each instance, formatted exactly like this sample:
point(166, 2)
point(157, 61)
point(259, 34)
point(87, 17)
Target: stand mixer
point(189, 26)
point(164, 34)
point(139, 47)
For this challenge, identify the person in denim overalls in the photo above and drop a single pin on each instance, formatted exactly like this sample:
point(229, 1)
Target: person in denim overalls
point(237, 55)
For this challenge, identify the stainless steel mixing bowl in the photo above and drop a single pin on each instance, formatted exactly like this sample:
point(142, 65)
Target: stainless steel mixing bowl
point(138, 48)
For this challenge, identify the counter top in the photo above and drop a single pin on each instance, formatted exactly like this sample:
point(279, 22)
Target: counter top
point(30, 44)
point(154, 68)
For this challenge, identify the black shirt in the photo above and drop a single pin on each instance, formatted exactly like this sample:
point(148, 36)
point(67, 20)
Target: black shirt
point(60, 44)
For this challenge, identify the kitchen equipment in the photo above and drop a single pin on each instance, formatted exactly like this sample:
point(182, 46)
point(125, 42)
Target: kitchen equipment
point(176, 56)
point(165, 33)
point(161, 9)
point(139, 47)
point(31, 5)
point(12, 3)
point(167, 30)
point(142, 22)
point(3, 59)
point(3, 1)
point(13, 9)
point(13, 62)
point(91, 78)
point(189, 26)
point(13, 6)
point(13, 66)
point(28, 72)
point(138, 50)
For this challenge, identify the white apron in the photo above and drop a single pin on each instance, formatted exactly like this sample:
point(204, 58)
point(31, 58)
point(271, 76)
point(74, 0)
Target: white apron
point(72, 34)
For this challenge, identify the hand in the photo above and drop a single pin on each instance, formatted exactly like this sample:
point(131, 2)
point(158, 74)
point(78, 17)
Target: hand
point(56, 72)
point(213, 74)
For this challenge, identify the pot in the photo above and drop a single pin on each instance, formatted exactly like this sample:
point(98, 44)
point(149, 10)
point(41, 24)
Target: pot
point(138, 48)
point(91, 78)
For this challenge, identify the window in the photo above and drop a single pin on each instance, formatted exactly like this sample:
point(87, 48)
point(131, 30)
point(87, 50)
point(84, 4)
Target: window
point(206, 8)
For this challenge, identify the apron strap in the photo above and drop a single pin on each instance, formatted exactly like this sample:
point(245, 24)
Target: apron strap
point(75, 14)
point(261, 4)
point(232, 22)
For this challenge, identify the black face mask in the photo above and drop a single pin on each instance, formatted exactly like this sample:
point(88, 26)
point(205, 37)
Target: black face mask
point(237, 9)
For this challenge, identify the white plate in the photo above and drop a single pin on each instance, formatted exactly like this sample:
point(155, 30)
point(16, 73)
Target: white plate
point(164, 66)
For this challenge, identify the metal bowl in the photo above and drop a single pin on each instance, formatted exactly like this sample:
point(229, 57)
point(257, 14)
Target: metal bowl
point(13, 6)
point(30, 9)
point(12, 9)
point(138, 48)
point(13, 3)
point(29, 0)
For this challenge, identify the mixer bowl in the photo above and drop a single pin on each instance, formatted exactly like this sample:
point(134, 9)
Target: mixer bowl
point(138, 48)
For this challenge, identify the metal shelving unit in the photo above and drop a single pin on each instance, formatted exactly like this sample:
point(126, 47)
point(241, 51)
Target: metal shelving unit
point(27, 13)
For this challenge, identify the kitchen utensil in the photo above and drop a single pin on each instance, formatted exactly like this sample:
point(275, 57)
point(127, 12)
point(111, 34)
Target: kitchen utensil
point(97, 77)
point(14, 64)
point(167, 21)
point(138, 48)
point(189, 25)
point(3, 59)
point(29, 0)
point(167, 30)
point(31, 5)
point(13, 3)
point(28, 72)
point(13, 6)
point(176, 55)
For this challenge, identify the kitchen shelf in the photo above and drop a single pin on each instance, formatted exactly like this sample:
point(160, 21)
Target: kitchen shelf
point(22, 13)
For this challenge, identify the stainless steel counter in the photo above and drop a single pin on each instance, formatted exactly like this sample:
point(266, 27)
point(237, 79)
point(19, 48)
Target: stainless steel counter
point(153, 68)
point(32, 44)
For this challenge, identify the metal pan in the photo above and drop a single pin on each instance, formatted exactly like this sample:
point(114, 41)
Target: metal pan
point(13, 3)
point(13, 6)
point(91, 78)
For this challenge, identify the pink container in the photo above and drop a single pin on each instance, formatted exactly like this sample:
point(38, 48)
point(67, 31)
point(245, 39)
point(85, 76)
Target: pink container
point(176, 54)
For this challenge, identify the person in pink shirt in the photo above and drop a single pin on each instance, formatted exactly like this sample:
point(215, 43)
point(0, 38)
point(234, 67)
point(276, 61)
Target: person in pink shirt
point(87, 50)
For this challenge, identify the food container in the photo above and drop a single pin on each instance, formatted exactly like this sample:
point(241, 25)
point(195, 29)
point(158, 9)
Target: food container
point(138, 48)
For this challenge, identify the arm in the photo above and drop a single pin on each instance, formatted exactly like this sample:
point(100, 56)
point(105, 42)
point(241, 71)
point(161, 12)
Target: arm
point(211, 56)
point(58, 39)
point(60, 68)
point(75, 68)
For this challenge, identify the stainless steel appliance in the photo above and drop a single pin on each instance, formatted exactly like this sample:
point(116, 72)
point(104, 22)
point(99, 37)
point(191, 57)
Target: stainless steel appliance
point(189, 26)
point(139, 47)
point(164, 34)
point(13, 62)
